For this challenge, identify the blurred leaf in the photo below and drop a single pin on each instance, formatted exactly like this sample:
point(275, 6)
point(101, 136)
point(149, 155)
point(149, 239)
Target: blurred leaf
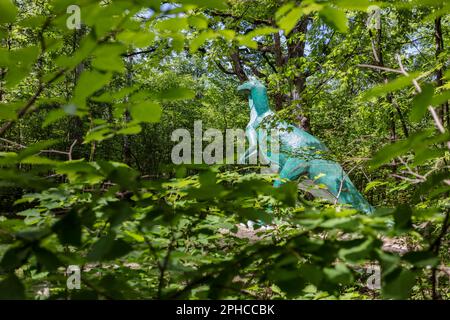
point(80, 171)
point(146, 112)
point(402, 218)
point(417, 141)
point(47, 258)
point(335, 18)
point(312, 273)
point(289, 21)
point(198, 21)
point(99, 133)
point(109, 58)
point(199, 40)
point(340, 274)
point(133, 129)
point(178, 93)
point(14, 258)
point(359, 252)
point(11, 288)
point(421, 259)
point(394, 85)
point(68, 229)
point(421, 102)
point(136, 39)
point(374, 184)
point(8, 11)
point(398, 284)
point(209, 4)
point(107, 248)
point(172, 24)
point(440, 98)
point(89, 83)
point(361, 5)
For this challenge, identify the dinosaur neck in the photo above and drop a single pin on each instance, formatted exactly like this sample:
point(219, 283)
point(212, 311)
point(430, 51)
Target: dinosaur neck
point(260, 101)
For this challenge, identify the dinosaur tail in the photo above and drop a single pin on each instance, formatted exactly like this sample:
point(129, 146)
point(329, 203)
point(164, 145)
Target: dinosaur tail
point(332, 175)
point(350, 195)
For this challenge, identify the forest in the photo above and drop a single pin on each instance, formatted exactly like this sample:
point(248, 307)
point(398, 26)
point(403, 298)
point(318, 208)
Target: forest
point(93, 94)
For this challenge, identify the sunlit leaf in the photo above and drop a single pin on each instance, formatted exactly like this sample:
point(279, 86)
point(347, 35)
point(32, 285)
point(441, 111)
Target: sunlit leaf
point(335, 18)
point(146, 112)
point(421, 102)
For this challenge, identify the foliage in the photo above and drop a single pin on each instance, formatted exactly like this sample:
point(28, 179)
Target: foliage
point(109, 95)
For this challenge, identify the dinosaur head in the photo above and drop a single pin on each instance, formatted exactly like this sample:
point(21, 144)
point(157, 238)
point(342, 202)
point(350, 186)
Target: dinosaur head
point(257, 92)
point(250, 85)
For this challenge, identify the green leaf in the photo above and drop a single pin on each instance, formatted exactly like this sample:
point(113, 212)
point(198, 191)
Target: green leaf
point(289, 21)
point(247, 41)
point(199, 40)
point(146, 112)
point(312, 273)
point(137, 39)
point(33, 149)
point(8, 11)
point(422, 259)
point(20, 64)
point(398, 284)
point(8, 111)
point(340, 274)
point(283, 10)
point(417, 141)
point(198, 21)
point(421, 102)
point(261, 32)
point(53, 116)
point(109, 58)
point(32, 216)
point(68, 229)
point(361, 5)
point(47, 258)
point(118, 212)
point(427, 154)
point(87, 45)
point(89, 83)
point(358, 252)
point(107, 248)
point(374, 184)
point(11, 288)
point(208, 4)
point(335, 18)
point(14, 258)
point(340, 223)
point(178, 93)
point(440, 98)
point(33, 234)
point(133, 129)
point(290, 280)
point(99, 133)
point(227, 34)
point(80, 171)
point(397, 84)
point(402, 218)
point(172, 24)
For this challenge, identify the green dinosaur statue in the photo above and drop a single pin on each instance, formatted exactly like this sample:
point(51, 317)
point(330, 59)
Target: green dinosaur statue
point(300, 153)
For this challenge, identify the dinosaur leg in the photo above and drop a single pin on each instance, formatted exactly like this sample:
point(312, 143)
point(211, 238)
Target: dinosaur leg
point(291, 170)
point(338, 183)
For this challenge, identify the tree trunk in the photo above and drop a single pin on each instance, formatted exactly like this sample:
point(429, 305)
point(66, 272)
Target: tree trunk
point(296, 49)
point(237, 66)
point(126, 152)
point(439, 41)
point(378, 57)
point(75, 123)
